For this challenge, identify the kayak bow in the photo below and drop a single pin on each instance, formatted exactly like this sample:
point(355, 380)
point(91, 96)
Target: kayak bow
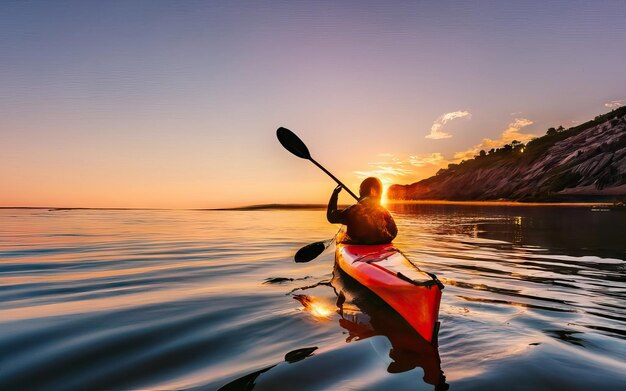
point(384, 270)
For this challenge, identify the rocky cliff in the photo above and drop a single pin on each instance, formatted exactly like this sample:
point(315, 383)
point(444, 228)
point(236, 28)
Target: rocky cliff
point(586, 162)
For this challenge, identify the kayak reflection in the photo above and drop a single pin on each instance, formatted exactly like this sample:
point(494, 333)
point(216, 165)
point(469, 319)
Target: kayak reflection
point(365, 315)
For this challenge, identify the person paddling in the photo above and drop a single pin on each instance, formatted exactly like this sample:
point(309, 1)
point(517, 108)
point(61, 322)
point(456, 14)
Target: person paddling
point(367, 221)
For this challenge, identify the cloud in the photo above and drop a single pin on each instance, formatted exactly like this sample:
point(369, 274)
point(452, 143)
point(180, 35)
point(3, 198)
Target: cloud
point(391, 166)
point(467, 154)
point(614, 104)
point(426, 159)
point(392, 169)
point(382, 170)
point(512, 132)
point(436, 131)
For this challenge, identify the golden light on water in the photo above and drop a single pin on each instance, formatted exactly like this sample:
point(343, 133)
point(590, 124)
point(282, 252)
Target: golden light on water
point(315, 306)
point(320, 310)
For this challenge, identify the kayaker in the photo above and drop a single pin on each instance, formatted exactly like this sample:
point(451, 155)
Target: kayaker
point(367, 221)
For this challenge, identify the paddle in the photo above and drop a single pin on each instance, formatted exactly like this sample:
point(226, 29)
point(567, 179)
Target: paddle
point(295, 145)
point(313, 250)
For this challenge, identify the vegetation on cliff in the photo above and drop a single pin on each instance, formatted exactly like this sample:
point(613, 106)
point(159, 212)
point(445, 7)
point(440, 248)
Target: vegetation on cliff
point(585, 162)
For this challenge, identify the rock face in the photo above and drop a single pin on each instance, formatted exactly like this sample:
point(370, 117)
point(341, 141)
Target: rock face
point(587, 162)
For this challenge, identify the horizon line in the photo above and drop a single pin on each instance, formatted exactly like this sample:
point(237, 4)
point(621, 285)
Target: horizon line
point(314, 206)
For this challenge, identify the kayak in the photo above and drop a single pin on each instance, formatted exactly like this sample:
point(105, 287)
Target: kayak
point(383, 269)
point(366, 316)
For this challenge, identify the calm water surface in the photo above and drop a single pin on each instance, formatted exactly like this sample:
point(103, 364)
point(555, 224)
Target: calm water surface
point(535, 298)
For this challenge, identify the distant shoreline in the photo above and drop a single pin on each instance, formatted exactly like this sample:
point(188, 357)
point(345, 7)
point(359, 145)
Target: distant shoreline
point(274, 206)
point(323, 206)
point(417, 202)
point(499, 203)
point(54, 208)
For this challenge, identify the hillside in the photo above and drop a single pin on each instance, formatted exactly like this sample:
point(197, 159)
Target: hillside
point(586, 163)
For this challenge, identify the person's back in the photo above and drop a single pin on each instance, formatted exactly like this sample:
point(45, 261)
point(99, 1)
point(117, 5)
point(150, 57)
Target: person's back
point(367, 221)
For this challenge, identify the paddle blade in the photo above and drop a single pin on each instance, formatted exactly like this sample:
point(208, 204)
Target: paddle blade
point(299, 354)
point(292, 143)
point(309, 252)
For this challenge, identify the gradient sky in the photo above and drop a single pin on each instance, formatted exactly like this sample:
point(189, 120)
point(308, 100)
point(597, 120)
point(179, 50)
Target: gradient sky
point(175, 104)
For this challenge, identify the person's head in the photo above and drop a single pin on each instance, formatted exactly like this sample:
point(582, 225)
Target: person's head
point(371, 187)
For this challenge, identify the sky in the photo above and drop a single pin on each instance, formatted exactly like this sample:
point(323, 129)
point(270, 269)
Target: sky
point(164, 104)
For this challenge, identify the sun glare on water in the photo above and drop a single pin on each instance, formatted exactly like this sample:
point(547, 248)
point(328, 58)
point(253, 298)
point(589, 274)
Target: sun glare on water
point(320, 310)
point(315, 306)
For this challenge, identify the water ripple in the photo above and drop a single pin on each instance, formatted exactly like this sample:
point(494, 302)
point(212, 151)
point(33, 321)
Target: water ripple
point(201, 299)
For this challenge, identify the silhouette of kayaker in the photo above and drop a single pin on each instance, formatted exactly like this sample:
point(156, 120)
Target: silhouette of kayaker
point(367, 222)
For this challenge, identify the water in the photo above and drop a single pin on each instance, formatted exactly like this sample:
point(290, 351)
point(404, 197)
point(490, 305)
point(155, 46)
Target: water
point(136, 299)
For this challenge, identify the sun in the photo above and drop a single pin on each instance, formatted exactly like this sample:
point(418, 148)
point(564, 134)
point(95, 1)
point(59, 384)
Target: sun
point(384, 200)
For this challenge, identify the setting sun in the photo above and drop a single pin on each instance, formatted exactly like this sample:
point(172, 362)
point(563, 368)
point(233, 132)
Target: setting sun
point(321, 195)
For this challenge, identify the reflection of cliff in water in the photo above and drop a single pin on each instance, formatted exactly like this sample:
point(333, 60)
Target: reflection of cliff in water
point(571, 230)
point(363, 315)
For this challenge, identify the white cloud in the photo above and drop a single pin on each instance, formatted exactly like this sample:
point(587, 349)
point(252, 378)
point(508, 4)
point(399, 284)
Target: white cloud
point(512, 132)
point(391, 166)
point(392, 169)
point(425, 159)
point(436, 131)
point(614, 104)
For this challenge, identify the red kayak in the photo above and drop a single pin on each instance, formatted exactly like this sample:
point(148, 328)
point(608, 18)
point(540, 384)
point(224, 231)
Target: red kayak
point(384, 270)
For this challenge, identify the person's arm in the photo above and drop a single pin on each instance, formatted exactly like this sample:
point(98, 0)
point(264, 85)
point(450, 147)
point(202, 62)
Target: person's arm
point(333, 215)
point(392, 229)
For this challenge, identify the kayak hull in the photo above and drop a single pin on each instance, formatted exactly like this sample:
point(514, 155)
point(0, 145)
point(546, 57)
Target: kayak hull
point(384, 270)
